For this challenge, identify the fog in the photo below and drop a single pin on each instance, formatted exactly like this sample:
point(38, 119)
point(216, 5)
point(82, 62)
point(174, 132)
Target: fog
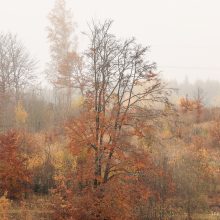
point(94, 124)
point(183, 35)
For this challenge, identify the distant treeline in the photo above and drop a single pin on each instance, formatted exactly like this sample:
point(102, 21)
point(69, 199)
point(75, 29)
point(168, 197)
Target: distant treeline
point(210, 90)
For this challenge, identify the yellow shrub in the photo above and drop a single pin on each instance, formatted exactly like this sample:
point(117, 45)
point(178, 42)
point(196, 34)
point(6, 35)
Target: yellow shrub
point(20, 114)
point(5, 205)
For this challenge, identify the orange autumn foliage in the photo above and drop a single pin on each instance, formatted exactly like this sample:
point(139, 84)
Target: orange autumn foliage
point(112, 171)
point(186, 105)
point(14, 176)
point(190, 105)
point(125, 187)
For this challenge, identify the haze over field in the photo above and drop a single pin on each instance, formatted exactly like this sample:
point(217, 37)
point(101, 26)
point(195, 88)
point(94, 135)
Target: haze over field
point(183, 35)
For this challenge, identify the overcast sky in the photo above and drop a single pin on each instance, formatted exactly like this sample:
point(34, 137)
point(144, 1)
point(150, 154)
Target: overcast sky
point(184, 35)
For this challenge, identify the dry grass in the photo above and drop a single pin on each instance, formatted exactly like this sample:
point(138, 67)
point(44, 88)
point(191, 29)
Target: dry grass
point(35, 208)
point(213, 216)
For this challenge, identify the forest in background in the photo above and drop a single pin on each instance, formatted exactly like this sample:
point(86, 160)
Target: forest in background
point(210, 90)
point(110, 140)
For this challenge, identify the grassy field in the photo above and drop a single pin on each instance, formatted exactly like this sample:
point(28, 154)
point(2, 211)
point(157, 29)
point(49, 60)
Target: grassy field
point(39, 208)
point(19, 214)
point(214, 216)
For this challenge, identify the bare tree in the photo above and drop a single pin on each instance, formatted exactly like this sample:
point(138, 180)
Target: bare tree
point(199, 104)
point(121, 91)
point(17, 72)
point(5, 76)
point(16, 66)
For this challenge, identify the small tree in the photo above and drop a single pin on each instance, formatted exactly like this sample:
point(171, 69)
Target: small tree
point(199, 104)
point(186, 104)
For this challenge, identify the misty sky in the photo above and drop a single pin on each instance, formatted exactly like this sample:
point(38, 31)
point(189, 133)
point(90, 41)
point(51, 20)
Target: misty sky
point(184, 35)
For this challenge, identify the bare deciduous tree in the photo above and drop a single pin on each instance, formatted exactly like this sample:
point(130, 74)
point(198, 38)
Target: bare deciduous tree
point(17, 72)
point(122, 90)
point(16, 66)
